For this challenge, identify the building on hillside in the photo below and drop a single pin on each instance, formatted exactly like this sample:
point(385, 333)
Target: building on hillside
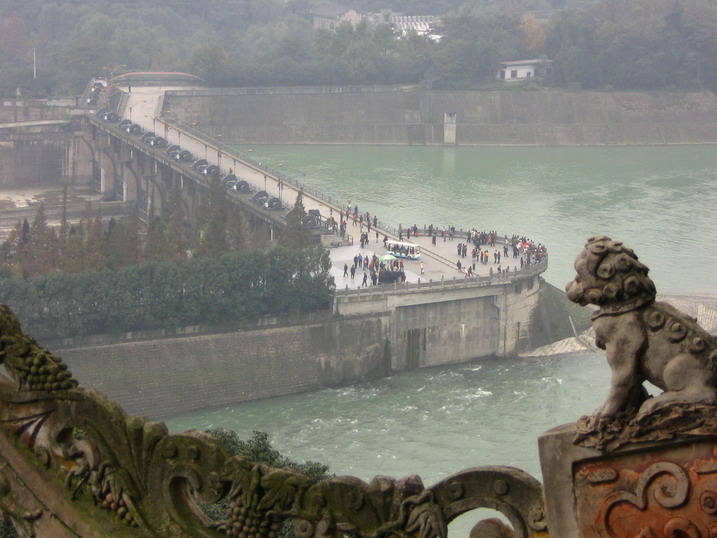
point(329, 15)
point(421, 24)
point(522, 70)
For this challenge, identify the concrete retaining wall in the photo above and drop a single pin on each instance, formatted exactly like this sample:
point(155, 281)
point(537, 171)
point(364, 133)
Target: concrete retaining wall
point(169, 376)
point(418, 117)
point(367, 337)
point(32, 153)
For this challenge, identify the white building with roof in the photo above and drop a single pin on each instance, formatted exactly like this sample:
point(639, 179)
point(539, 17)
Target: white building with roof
point(521, 70)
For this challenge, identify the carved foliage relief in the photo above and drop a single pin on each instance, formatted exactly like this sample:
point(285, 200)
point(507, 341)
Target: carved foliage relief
point(72, 463)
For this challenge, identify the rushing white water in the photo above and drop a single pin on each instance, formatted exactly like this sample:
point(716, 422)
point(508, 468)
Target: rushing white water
point(433, 422)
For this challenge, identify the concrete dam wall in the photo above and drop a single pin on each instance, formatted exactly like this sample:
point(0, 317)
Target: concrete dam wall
point(367, 336)
point(35, 142)
point(395, 115)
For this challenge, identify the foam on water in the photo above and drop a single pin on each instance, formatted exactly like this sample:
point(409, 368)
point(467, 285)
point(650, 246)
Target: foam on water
point(433, 422)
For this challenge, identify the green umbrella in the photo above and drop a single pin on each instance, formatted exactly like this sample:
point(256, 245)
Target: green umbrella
point(387, 258)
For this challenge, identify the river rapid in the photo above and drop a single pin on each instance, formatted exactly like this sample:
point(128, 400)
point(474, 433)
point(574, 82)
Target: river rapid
point(434, 422)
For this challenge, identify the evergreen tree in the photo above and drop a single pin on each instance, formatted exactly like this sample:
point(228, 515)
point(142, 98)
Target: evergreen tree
point(176, 228)
point(73, 260)
point(213, 242)
point(296, 233)
point(95, 241)
point(43, 246)
point(123, 242)
point(154, 246)
point(238, 232)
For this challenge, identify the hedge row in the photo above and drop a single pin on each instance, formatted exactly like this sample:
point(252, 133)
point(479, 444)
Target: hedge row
point(238, 286)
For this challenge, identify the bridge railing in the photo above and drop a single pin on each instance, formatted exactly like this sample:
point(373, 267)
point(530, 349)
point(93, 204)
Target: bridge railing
point(332, 201)
point(465, 281)
point(231, 152)
point(292, 90)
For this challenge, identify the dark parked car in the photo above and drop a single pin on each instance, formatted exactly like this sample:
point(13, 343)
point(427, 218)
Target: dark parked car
point(101, 113)
point(273, 203)
point(260, 197)
point(242, 186)
point(159, 142)
point(134, 129)
point(124, 124)
point(199, 163)
point(185, 155)
point(147, 137)
point(228, 178)
point(211, 169)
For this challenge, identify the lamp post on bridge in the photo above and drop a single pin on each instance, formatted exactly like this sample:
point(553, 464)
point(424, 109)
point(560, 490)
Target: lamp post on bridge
point(131, 107)
point(207, 144)
point(219, 151)
point(166, 115)
point(154, 122)
point(278, 182)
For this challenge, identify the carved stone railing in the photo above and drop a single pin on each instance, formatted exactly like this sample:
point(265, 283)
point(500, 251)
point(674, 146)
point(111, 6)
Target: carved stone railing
point(72, 463)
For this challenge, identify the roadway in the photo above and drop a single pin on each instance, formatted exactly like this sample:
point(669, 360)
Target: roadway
point(439, 261)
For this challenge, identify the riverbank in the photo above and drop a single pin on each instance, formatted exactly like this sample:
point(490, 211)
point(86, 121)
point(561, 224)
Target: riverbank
point(407, 116)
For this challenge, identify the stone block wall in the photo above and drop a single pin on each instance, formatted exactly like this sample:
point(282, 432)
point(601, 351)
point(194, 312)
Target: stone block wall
point(168, 376)
point(416, 117)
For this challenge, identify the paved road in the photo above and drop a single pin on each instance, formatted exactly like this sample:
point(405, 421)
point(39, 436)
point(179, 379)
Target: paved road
point(439, 260)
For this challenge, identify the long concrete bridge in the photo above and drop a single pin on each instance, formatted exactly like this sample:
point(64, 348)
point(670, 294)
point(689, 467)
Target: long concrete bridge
point(439, 315)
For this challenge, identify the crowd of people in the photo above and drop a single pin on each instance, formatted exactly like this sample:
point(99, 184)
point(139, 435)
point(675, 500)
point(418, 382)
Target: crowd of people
point(485, 248)
point(380, 272)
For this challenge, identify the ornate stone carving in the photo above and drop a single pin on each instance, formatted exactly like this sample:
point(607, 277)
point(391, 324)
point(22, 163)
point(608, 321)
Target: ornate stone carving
point(72, 463)
point(644, 340)
point(674, 496)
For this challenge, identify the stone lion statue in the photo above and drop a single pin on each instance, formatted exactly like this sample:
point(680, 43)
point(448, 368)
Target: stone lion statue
point(644, 339)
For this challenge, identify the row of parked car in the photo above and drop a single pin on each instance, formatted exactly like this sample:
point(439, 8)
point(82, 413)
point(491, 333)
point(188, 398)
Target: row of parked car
point(231, 181)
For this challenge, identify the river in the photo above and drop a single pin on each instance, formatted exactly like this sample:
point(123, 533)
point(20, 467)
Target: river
point(434, 422)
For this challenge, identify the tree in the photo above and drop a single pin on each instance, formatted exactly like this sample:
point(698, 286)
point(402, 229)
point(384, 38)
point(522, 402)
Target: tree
point(123, 248)
point(213, 241)
point(155, 244)
point(176, 228)
point(238, 231)
point(208, 60)
point(533, 35)
point(296, 233)
point(43, 245)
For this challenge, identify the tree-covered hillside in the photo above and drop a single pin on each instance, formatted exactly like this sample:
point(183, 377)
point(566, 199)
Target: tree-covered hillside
point(641, 44)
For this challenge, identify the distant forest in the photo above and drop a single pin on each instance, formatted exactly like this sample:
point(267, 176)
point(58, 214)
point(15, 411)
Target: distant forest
point(622, 44)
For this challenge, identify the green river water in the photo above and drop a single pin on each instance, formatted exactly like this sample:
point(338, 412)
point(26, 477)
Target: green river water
point(434, 422)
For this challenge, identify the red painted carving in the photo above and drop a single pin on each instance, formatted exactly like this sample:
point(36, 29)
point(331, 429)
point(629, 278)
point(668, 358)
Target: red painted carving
point(650, 493)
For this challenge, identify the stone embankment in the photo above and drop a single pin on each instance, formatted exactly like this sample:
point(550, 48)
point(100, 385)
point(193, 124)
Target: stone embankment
point(406, 116)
